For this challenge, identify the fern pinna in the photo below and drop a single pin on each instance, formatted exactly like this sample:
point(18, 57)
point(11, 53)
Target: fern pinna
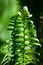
point(24, 39)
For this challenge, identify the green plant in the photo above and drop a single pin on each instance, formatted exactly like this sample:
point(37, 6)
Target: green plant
point(24, 38)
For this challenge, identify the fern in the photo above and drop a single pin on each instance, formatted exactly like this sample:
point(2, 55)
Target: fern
point(8, 55)
point(24, 38)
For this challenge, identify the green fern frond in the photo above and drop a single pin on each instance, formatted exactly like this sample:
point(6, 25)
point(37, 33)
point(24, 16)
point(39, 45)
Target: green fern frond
point(24, 38)
point(8, 56)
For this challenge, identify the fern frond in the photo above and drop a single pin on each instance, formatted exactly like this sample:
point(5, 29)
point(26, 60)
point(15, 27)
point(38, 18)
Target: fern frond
point(24, 38)
point(8, 56)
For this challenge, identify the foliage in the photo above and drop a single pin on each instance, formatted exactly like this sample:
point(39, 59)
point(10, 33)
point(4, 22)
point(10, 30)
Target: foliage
point(21, 49)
